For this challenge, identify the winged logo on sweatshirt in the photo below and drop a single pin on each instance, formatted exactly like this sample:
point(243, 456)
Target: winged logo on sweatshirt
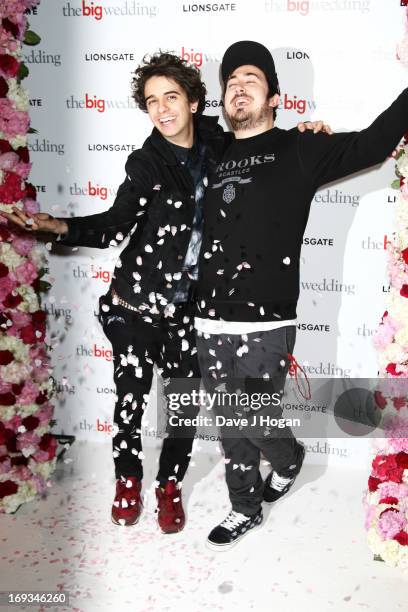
point(229, 193)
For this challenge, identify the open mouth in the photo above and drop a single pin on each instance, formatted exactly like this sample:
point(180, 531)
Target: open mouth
point(166, 120)
point(241, 101)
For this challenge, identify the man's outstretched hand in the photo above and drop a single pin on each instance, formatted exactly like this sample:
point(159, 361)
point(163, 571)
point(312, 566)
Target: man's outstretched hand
point(316, 126)
point(40, 222)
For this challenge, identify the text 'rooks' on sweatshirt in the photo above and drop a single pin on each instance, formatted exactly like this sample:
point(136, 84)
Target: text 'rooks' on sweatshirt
point(256, 209)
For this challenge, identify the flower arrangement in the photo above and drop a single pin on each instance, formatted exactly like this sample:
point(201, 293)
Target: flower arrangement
point(386, 500)
point(27, 449)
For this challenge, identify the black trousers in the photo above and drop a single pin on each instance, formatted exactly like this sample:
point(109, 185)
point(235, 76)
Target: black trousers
point(255, 363)
point(138, 345)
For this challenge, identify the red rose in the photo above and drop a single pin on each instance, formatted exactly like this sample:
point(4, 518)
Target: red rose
point(17, 389)
point(380, 400)
point(398, 402)
point(31, 422)
point(388, 510)
point(27, 334)
point(9, 65)
point(19, 460)
point(404, 291)
point(4, 234)
point(38, 317)
point(6, 357)
point(401, 536)
point(387, 468)
point(373, 483)
point(41, 398)
point(3, 270)
point(31, 191)
point(12, 301)
point(10, 190)
point(23, 154)
point(10, 27)
point(8, 437)
point(388, 500)
point(402, 460)
point(404, 254)
point(3, 87)
point(5, 146)
point(7, 399)
point(391, 369)
point(48, 444)
point(8, 487)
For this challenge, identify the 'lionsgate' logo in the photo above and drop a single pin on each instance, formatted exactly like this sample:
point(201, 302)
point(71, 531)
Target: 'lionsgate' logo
point(98, 12)
point(214, 7)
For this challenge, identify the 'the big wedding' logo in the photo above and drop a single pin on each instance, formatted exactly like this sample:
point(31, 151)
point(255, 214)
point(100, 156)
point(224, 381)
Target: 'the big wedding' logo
point(93, 191)
point(97, 273)
point(98, 12)
point(95, 351)
point(93, 102)
point(300, 105)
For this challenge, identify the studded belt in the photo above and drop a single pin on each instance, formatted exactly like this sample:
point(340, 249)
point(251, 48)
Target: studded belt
point(121, 302)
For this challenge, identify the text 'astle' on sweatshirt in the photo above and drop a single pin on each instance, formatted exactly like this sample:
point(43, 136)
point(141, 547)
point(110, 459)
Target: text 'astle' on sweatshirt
point(257, 206)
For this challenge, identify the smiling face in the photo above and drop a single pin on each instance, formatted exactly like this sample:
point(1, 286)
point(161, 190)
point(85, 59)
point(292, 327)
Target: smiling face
point(170, 110)
point(247, 102)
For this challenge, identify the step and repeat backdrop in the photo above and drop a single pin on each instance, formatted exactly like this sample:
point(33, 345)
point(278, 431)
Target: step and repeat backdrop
point(336, 60)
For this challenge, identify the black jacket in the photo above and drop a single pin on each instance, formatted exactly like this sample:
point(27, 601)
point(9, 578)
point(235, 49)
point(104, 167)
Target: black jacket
point(156, 205)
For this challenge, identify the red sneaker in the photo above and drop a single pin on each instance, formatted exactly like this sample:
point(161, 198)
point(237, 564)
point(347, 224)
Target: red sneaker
point(170, 516)
point(127, 505)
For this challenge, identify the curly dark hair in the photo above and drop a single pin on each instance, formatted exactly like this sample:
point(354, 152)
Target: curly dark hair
point(173, 67)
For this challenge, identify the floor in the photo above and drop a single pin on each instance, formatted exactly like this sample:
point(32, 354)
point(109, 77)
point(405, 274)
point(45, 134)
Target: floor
point(310, 553)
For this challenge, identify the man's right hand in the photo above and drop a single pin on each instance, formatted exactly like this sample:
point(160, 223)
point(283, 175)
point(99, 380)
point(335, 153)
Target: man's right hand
point(40, 222)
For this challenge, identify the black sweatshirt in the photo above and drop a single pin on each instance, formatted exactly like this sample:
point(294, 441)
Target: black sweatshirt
point(257, 206)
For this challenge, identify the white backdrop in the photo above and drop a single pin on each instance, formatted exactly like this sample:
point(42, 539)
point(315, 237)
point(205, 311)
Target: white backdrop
point(335, 61)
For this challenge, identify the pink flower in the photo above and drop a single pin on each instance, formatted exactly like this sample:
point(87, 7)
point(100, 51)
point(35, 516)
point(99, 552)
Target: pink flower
point(386, 332)
point(31, 206)
point(28, 393)
point(370, 515)
point(12, 121)
point(393, 489)
point(20, 319)
point(41, 456)
point(390, 523)
point(26, 273)
point(5, 466)
point(23, 244)
point(4, 387)
point(13, 423)
point(8, 161)
point(6, 286)
point(45, 414)
point(27, 439)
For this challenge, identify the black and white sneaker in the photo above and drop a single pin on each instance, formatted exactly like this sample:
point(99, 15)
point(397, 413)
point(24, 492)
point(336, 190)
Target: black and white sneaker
point(232, 529)
point(276, 485)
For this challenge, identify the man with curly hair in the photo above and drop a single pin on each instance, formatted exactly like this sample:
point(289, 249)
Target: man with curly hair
point(147, 313)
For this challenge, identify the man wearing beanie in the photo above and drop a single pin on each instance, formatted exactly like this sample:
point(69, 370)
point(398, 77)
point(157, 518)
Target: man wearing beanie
point(255, 213)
